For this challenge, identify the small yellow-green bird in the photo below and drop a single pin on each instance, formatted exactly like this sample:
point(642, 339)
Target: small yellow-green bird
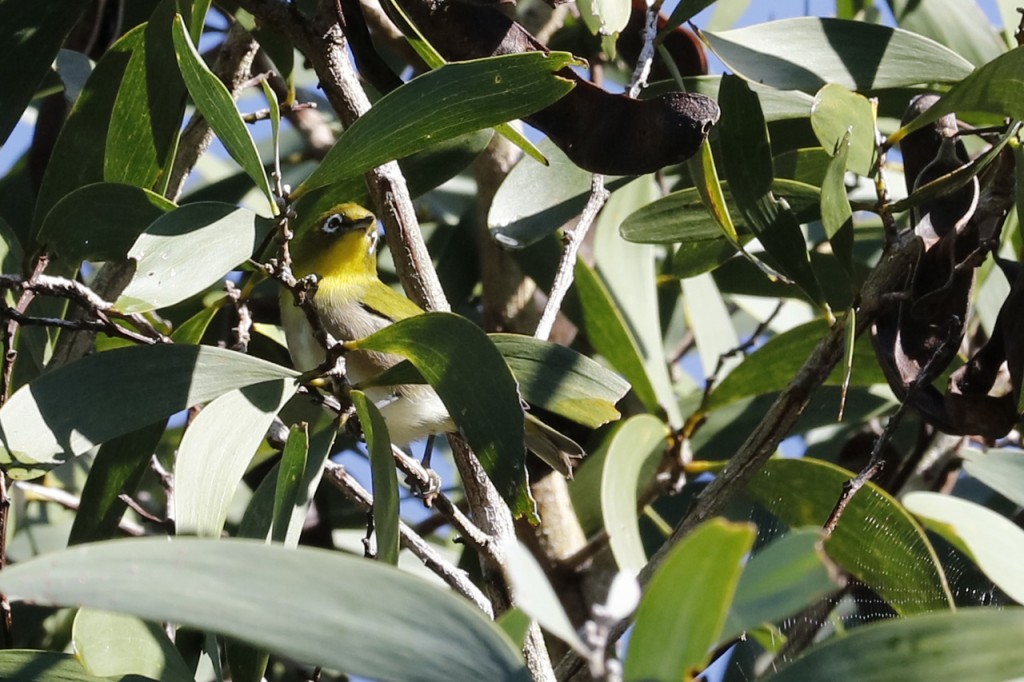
point(352, 303)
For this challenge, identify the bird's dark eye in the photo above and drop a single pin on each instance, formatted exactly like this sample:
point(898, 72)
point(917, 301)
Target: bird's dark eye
point(334, 223)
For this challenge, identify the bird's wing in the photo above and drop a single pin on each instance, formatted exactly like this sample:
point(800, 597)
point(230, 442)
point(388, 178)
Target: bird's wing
point(385, 301)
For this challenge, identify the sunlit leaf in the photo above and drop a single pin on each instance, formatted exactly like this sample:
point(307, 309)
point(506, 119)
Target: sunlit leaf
point(116, 644)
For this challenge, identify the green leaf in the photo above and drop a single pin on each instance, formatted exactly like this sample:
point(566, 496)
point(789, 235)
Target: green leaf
point(118, 468)
point(312, 608)
point(99, 222)
point(453, 354)
point(809, 52)
point(560, 380)
point(992, 89)
point(605, 17)
point(777, 105)
point(709, 188)
point(77, 157)
point(610, 335)
point(684, 11)
point(187, 250)
point(640, 439)
point(838, 113)
point(534, 201)
point(899, 563)
point(216, 450)
point(788, 575)
point(681, 216)
point(836, 215)
point(748, 165)
point(31, 34)
point(68, 411)
point(148, 110)
point(385, 478)
point(115, 644)
point(1001, 470)
point(981, 645)
point(289, 481)
point(444, 103)
point(708, 318)
point(772, 366)
point(960, 25)
point(995, 543)
point(808, 165)
point(214, 101)
point(30, 666)
point(686, 602)
point(534, 595)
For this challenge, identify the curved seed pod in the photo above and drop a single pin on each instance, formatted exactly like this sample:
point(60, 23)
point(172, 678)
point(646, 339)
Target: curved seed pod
point(599, 131)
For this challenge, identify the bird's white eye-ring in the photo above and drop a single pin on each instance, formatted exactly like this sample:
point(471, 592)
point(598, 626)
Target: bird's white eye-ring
point(334, 223)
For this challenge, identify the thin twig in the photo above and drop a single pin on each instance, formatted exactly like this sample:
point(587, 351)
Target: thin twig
point(243, 330)
point(646, 58)
point(264, 114)
point(452, 575)
point(571, 245)
point(5, 604)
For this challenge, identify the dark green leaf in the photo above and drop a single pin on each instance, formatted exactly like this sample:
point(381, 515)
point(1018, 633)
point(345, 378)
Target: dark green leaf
point(992, 89)
point(981, 645)
point(49, 666)
point(31, 33)
point(187, 250)
point(898, 563)
point(453, 354)
point(214, 101)
point(610, 335)
point(289, 481)
point(441, 104)
point(748, 165)
point(685, 604)
point(312, 608)
point(1001, 470)
point(99, 222)
point(808, 52)
point(69, 410)
point(808, 165)
point(385, 478)
point(562, 381)
point(148, 110)
point(77, 157)
point(836, 215)
point(216, 450)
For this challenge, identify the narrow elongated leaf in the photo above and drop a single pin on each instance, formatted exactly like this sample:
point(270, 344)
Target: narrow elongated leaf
point(640, 439)
point(455, 356)
point(66, 412)
point(771, 367)
point(994, 542)
point(313, 604)
point(385, 478)
point(561, 380)
point(685, 605)
point(444, 103)
point(836, 214)
point(781, 579)
point(748, 164)
point(216, 450)
point(214, 101)
point(609, 334)
point(118, 468)
point(976, 644)
point(289, 481)
point(970, 35)
point(24, 666)
point(31, 34)
point(709, 188)
point(148, 110)
point(992, 89)
point(712, 327)
point(898, 563)
point(537, 598)
point(1001, 470)
point(838, 113)
point(115, 644)
point(681, 217)
point(77, 157)
point(99, 222)
point(808, 52)
point(186, 251)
